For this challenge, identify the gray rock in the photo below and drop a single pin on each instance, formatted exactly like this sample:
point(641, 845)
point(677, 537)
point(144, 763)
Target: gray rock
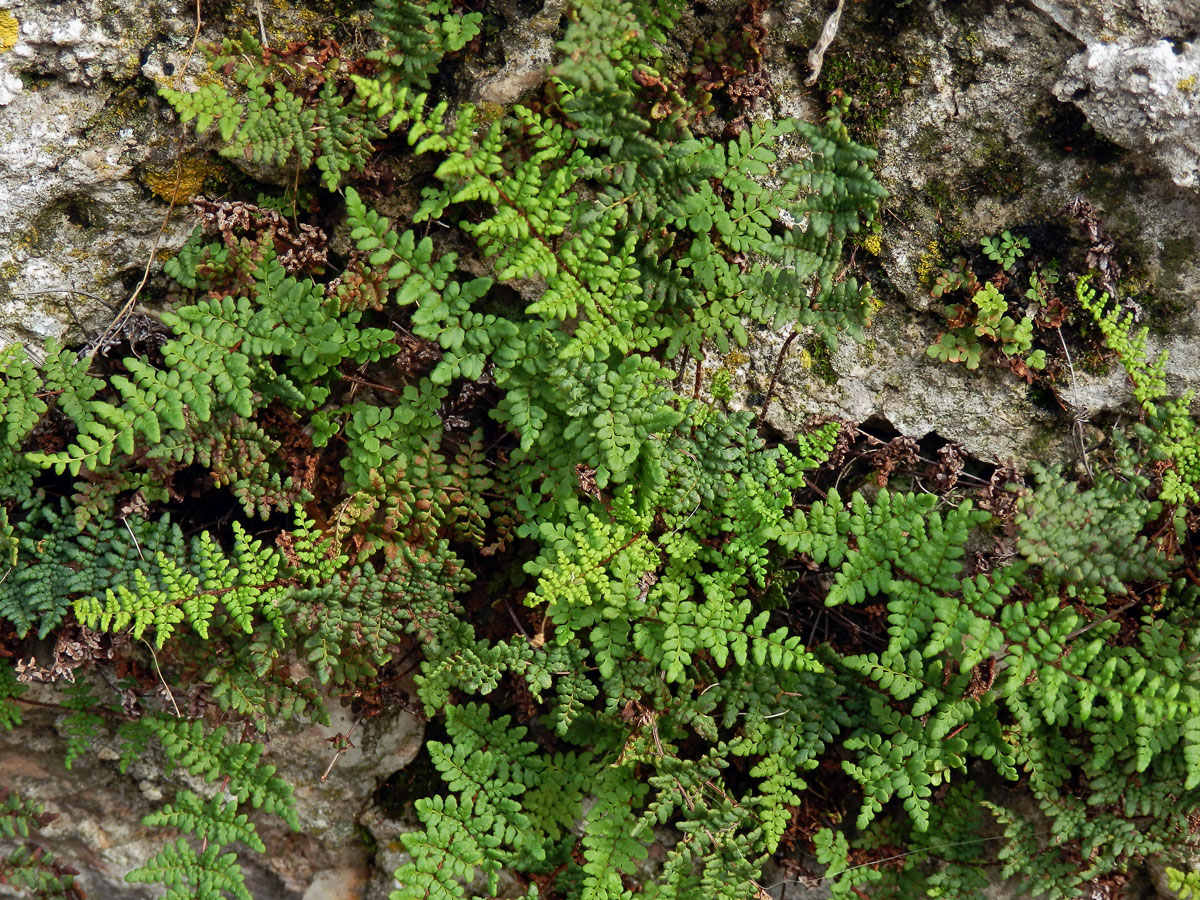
point(73, 133)
point(88, 152)
point(1131, 21)
point(890, 378)
point(1146, 99)
point(528, 47)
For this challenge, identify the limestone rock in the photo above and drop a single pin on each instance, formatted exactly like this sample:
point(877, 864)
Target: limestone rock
point(1131, 21)
point(73, 132)
point(528, 47)
point(90, 156)
point(1146, 99)
point(99, 830)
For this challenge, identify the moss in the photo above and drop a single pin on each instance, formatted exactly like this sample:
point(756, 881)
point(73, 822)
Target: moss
point(1114, 181)
point(490, 111)
point(1161, 294)
point(1178, 254)
point(942, 197)
point(35, 82)
point(120, 110)
point(175, 186)
point(872, 72)
point(1095, 361)
point(316, 19)
point(1001, 172)
point(1040, 446)
point(817, 359)
point(928, 142)
point(929, 263)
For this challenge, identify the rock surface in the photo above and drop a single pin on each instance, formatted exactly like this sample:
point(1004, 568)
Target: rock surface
point(90, 157)
point(99, 830)
point(75, 128)
point(965, 104)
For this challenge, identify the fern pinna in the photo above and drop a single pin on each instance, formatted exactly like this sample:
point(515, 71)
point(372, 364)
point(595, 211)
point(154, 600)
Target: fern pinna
point(28, 867)
point(457, 434)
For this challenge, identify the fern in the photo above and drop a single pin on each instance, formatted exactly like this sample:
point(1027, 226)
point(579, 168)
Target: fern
point(59, 560)
point(81, 727)
point(28, 866)
point(354, 620)
point(621, 598)
point(1169, 430)
point(245, 583)
point(269, 123)
point(209, 875)
point(10, 692)
point(215, 822)
point(1108, 518)
point(1185, 884)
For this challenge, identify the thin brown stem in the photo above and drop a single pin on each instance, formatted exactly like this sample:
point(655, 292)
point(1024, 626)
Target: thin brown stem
point(343, 744)
point(371, 384)
point(775, 375)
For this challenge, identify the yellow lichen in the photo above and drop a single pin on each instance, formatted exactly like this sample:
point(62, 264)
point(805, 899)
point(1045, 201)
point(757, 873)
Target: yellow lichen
point(178, 184)
point(874, 305)
point(873, 243)
point(1187, 85)
point(929, 262)
point(736, 357)
point(10, 28)
point(869, 351)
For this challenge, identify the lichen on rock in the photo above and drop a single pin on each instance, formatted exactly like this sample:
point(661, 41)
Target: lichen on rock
point(9, 29)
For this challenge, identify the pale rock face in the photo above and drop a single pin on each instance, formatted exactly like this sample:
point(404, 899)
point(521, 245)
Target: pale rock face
point(72, 135)
point(99, 829)
point(528, 54)
point(1129, 21)
point(1145, 98)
